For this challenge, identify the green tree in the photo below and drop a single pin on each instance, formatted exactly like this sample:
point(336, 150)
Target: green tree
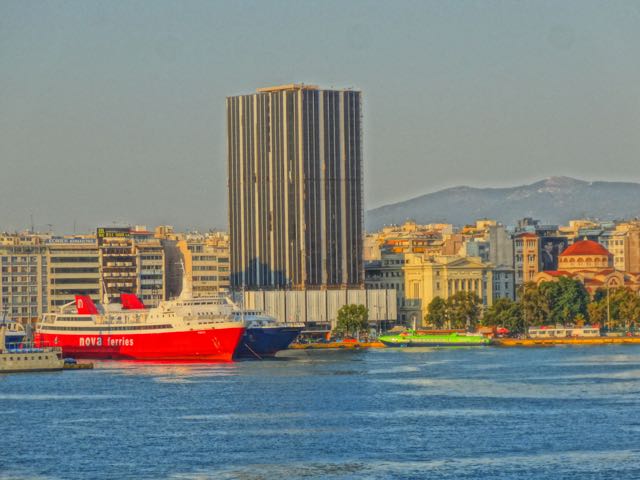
point(436, 313)
point(597, 312)
point(616, 308)
point(505, 313)
point(630, 310)
point(566, 299)
point(352, 319)
point(463, 310)
point(534, 305)
point(494, 315)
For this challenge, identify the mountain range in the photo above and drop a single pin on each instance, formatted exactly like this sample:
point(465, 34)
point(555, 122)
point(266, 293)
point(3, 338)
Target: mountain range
point(554, 200)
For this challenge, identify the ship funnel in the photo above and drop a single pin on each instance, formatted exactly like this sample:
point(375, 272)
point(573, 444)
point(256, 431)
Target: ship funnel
point(187, 291)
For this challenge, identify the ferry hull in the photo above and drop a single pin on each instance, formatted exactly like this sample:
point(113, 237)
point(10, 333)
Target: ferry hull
point(266, 342)
point(193, 345)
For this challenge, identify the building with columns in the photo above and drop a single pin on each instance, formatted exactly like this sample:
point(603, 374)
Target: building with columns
point(428, 277)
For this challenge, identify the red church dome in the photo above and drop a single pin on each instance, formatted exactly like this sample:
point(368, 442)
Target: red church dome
point(585, 247)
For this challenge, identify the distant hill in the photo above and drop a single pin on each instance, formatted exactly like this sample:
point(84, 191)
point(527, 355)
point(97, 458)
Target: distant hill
point(554, 200)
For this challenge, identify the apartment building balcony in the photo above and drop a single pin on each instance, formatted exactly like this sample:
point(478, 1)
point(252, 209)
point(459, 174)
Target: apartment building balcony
point(412, 303)
point(120, 284)
point(111, 264)
point(74, 285)
point(71, 296)
point(54, 276)
point(126, 276)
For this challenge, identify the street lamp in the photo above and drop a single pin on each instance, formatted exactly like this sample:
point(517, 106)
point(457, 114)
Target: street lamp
point(608, 309)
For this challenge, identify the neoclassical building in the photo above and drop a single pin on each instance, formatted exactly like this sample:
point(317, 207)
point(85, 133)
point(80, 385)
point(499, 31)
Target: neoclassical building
point(442, 276)
point(591, 264)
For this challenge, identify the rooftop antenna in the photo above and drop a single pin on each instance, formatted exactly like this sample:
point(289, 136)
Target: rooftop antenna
point(32, 226)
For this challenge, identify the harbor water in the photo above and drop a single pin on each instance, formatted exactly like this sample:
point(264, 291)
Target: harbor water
point(465, 413)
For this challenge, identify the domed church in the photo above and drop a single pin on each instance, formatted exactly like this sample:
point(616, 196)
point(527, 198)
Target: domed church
point(592, 264)
point(585, 255)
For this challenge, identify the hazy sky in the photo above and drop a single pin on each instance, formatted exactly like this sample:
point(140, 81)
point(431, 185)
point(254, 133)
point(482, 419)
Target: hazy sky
point(113, 111)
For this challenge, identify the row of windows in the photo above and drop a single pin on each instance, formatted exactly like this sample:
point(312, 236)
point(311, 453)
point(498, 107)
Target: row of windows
point(205, 268)
point(33, 357)
point(19, 269)
point(107, 329)
point(74, 259)
point(33, 311)
point(23, 289)
point(396, 286)
point(75, 270)
point(392, 274)
point(21, 259)
point(74, 291)
point(393, 262)
point(18, 300)
point(74, 319)
point(76, 281)
point(20, 279)
point(151, 277)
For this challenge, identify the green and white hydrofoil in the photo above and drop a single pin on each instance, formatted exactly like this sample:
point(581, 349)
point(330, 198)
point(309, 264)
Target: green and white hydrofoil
point(412, 338)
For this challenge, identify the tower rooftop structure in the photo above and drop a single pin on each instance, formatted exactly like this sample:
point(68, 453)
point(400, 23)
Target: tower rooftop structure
point(290, 86)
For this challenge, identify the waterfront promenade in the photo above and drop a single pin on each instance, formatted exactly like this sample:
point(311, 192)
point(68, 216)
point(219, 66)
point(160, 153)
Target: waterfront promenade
point(544, 342)
point(499, 342)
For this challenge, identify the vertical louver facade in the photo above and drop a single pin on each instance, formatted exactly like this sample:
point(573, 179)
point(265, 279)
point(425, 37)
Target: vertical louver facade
point(295, 188)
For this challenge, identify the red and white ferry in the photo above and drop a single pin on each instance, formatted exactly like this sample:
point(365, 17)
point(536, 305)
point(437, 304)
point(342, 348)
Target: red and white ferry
point(182, 329)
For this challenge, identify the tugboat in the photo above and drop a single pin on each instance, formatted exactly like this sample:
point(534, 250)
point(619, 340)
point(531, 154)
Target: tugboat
point(22, 357)
point(264, 336)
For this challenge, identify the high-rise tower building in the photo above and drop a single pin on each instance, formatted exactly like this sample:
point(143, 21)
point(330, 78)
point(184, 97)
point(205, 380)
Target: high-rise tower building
point(295, 188)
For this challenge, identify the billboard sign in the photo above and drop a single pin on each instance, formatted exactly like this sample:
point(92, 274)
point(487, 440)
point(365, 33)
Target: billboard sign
point(550, 249)
point(112, 232)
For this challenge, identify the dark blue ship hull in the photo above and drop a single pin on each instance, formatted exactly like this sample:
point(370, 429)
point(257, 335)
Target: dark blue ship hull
point(265, 341)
